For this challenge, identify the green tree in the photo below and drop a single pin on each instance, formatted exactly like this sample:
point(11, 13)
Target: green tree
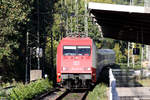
point(13, 16)
point(119, 57)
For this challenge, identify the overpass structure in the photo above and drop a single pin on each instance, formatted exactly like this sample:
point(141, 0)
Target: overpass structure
point(123, 22)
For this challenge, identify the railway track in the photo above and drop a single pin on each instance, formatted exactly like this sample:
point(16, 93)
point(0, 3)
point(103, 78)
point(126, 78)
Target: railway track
point(46, 95)
point(63, 94)
point(6, 89)
point(135, 98)
point(73, 95)
point(66, 92)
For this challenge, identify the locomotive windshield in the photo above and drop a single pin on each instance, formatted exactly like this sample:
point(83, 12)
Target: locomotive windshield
point(69, 50)
point(77, 50)
point(83, 50)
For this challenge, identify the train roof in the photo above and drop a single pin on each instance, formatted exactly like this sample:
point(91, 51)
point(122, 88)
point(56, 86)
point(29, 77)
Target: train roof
point(77, 38)
point(106, 51)
point(76, 41)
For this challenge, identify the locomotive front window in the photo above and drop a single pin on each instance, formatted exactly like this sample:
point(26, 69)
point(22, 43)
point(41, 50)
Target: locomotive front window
point(69, 50)
point(76, 50)
point(83, 50)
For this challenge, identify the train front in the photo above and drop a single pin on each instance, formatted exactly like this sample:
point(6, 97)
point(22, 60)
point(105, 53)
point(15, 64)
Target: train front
point(74, 63)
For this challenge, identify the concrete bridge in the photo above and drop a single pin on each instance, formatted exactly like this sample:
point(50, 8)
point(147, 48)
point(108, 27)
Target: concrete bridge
point(129, 23)
point(123, 22)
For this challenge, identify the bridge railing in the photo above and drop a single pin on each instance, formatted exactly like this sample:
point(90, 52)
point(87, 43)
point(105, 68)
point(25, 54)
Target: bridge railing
point(145, 3)
point(130, 2)
point(113, 95)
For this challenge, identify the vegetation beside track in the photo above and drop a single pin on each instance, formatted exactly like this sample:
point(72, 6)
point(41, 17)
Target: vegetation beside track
point(98, 93)
point(144, 82)
point(28, 91)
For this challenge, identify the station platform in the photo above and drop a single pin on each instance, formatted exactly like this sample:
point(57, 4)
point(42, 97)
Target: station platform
point(136, 93)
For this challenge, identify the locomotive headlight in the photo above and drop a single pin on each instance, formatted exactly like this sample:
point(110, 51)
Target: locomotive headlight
point(88, 68)
point(58, 74)
point(64, 68)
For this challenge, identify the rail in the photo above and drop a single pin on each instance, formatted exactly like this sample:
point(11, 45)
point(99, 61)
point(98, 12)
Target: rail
point(60, 94)
point(113, 95)
point(74, 95)
point(9, 87)
point(63, 95)
point(43, 95)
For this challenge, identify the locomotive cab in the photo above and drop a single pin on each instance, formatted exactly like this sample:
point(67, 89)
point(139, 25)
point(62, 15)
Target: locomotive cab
point(75, 71)
point(75, 63)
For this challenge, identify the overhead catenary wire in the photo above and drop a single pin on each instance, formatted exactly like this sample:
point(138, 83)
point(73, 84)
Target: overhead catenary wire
point(74, 24)
point(85, 19)
point(76, 13)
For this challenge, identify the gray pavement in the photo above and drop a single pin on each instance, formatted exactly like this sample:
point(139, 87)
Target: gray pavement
point(138, 93)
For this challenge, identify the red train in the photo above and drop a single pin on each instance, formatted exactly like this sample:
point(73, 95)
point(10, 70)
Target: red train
point(76, 62)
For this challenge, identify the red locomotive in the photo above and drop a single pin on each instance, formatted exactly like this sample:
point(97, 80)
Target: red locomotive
point(76, 62)
point(79, 63)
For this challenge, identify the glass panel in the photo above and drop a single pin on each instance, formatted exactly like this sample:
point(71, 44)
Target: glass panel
point(83, 50)
point(69, 50)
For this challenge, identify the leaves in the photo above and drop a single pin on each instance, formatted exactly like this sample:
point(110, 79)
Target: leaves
point(99, 92)
point(28, 91)
point(11, 14)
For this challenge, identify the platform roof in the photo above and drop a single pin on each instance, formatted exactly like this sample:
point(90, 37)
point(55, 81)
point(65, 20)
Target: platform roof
point(123, 22)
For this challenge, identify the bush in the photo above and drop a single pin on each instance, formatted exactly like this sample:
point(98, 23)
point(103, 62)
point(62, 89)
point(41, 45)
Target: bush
point(99, 93)
point(28, 91)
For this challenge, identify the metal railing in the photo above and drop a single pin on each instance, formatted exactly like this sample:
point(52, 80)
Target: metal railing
point(130, 2)
point(125, 78)
point(113, 95)
point(145, 3)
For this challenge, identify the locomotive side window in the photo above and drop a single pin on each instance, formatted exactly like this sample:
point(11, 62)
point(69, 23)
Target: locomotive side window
point(83, 50)
point(69, 50)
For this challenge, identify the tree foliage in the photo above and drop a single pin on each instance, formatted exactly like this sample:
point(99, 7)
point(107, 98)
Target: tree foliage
point(13, 18)
point(12, 14)
point(48, 17)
